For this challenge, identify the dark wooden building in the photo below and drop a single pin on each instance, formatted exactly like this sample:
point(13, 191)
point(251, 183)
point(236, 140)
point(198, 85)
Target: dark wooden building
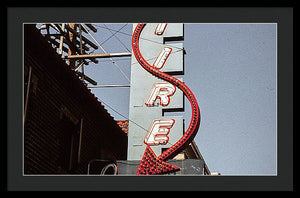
point(65, 126)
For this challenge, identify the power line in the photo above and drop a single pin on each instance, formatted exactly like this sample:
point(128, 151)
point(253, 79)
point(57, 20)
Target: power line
point(140, 37)
point(126, 59)
point(119, 31)
point(126, 117)
point(114, 62)
point(122, 115)
point(114, 34)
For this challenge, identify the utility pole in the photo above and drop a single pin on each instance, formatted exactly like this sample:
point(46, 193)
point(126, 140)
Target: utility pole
point(74, 47)
point(71, 63)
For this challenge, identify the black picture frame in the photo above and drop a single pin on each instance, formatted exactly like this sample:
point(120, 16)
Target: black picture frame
point(283, 16)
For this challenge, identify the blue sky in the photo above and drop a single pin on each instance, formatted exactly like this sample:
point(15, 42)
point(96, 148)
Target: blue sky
point(231, 69)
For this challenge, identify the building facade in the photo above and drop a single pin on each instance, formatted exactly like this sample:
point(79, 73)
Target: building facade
point(65, 126)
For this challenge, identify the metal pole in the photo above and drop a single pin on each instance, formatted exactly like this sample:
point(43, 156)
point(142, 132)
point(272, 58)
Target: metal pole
point(84, 56)
point(27, 94)
point(82, 65)
point(80, 139)
point(71, 63)
point(61, 39)
point(107, 86)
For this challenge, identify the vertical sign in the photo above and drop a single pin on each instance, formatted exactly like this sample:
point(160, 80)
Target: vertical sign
point(150, 96)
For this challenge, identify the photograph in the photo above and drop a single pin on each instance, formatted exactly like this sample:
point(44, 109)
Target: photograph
point(150, 99)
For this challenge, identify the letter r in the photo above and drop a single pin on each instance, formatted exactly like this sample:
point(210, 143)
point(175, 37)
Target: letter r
point(163, 91)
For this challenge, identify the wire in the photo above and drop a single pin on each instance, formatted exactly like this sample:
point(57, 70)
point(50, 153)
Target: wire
point(173, 52)
point(122, 115)
point(127, 59)
point(119, 39)
point(118, 31)
point(114, 34)
point(140, 37)
point(126, 117)
point(114, 62)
